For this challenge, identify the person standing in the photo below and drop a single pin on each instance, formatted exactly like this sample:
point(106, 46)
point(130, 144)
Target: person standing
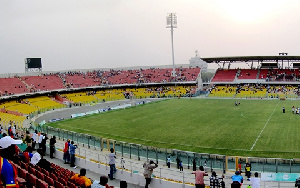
point(199, 177)
point(112, 164)
point(237, 179)
point(177, 161)
point(248, 170)
point(27, 139)
point(52, 146)
point(34, 139)
point(72, 154)
point(194, 164)
point(40, 139)
point(255, 181)
point(122, 163)
point(180, 166)
point(45, 138)
point(148, 170)
point(169, 161)
point(66, 152)
point(13, 130)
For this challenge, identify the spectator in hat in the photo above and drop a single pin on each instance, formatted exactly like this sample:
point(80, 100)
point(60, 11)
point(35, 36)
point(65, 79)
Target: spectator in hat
point(148, 170)
point(8, 173)
point(237, 179)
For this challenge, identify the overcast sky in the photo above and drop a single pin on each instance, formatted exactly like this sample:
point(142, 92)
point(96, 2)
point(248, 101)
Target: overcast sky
point(83, 34)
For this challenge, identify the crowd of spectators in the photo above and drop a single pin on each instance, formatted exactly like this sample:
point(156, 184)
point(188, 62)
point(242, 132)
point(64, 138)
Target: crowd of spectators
point(23, 163)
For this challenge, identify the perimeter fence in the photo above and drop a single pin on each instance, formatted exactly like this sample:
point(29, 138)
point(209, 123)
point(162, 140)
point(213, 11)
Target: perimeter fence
point(189, 159)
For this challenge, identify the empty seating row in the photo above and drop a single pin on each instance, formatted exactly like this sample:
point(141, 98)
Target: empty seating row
point(25, 84)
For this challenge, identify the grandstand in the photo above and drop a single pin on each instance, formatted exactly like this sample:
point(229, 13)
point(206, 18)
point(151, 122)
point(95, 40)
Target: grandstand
point(25, 96)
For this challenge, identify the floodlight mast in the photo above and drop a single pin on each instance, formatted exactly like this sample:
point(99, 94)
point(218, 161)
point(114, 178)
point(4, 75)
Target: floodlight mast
point(172, 23)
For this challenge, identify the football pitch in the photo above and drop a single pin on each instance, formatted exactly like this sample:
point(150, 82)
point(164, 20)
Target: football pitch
point(255, 128)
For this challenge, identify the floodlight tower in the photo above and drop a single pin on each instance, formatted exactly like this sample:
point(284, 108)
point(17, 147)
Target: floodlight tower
point(172, 23)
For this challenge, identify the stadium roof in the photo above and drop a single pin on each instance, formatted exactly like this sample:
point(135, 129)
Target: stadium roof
point(250, 59)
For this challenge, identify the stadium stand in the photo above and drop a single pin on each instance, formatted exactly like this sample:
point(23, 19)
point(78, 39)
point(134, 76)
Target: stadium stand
point(11, 86)
point(224, 75)
point(248, 74)
point(43, 82)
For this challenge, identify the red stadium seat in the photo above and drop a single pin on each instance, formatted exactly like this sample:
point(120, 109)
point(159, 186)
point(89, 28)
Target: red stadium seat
point(71, 185)
point(32, 179)
point(31, 170)
point(23, 173)
point(62, 181)
point(41, 184)
point(58, 185)
point(49, 180)
point(45, 172)
point(53, 176)
point(40, 175)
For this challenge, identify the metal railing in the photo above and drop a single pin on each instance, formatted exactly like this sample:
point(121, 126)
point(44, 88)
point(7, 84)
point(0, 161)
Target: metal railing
point(209, 161)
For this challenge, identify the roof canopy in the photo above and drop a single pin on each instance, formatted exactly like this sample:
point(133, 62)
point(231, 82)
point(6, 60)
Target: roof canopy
point(250, 59)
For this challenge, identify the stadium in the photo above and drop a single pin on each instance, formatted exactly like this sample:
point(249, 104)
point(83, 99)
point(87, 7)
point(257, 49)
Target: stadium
point(107, 95)
point(145, 113)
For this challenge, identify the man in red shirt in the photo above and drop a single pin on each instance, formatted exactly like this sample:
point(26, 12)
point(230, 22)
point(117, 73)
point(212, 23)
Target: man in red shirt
point(199, 177)
point(67, 152)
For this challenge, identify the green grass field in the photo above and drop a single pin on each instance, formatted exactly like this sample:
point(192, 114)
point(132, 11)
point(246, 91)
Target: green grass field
point(254, 128)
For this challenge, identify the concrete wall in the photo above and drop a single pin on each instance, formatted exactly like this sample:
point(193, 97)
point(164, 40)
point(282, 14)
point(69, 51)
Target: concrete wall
point(136, 178)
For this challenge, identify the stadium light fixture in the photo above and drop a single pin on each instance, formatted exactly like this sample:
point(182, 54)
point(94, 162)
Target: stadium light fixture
point(172, 23)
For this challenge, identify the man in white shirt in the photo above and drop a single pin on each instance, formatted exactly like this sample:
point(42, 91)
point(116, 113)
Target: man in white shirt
point(255, 181)
point(34, 139)
point(36, 157)
point(111, 163)
point(40, 140)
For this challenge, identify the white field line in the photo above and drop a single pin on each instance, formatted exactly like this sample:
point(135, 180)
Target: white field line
point(264, 127)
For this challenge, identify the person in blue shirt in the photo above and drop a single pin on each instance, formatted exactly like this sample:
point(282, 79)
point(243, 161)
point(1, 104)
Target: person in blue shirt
point(8, 173)
point(237, 179)
point(72, 154)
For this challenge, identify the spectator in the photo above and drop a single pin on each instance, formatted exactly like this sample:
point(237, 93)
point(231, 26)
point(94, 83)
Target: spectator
point(13, 131)
point(8, 173)
point(122, 163)
point(66, 152)
point(180, 166)
point(255, 181)
point(27, 139)
point(102, 183)
point(27, 154)
point(148, 170)
point(52, 146)
point(248, 170)
point(81, 179)
point(199, 177)
point(36, 157)
point(237, 179)
point(40, 139)
point(169, 161)
point(72, 154)
point(45, 138)
point(194, 164)
point(177, 161)
point(34, 139)
point(111, 163)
